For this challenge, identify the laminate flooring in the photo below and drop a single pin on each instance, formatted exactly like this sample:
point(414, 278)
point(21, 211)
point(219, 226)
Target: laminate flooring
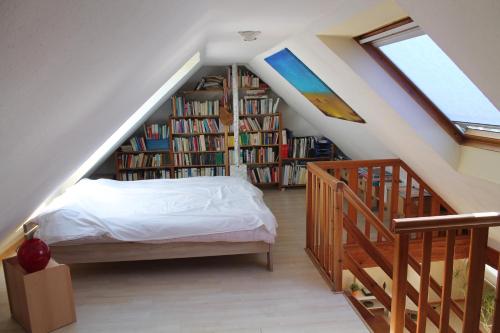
point(217, 294)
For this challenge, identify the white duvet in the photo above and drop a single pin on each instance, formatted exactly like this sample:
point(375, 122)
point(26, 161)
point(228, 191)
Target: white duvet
point(151, 210)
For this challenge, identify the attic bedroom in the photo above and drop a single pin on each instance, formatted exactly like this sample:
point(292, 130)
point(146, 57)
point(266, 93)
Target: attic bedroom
point(220, 166)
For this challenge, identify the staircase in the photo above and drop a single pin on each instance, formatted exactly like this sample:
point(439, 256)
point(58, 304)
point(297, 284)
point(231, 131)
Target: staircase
point(379, 213)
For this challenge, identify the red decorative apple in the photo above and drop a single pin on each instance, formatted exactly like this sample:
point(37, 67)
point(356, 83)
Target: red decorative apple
point(33, 255)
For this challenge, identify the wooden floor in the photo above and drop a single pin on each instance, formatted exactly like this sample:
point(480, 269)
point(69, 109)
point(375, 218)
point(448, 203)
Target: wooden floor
point(224, 294)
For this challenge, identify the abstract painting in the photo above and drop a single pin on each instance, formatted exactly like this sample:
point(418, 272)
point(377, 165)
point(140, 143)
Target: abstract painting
point(311, 86)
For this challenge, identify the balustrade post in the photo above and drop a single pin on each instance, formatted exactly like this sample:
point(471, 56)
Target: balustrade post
point(496, 316)
point(309, 209)
point(475, 280)
point(399, 281)
point(338, 247)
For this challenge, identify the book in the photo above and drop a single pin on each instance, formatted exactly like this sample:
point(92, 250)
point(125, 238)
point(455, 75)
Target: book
point(294, 174)
point(263, 175)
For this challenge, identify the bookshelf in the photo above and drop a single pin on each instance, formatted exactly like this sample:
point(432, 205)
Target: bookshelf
point(198, 144)
point(259, 139)
point(198, 137)
point(147, 157)
point(300, 151)
point(211, 150)
point(137, 165)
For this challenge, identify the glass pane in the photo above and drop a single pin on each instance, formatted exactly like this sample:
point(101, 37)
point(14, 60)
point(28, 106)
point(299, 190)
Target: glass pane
point(424, 63)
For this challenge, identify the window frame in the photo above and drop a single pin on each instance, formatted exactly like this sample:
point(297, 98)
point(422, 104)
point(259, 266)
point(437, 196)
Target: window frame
point(462, 138)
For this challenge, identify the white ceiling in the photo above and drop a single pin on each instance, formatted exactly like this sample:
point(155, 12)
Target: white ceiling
point(277, 20)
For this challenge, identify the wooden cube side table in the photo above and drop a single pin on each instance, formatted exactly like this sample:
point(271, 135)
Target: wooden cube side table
point(41, 301)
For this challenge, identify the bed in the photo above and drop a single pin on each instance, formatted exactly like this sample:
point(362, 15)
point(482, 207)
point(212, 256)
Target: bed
point(105, 220)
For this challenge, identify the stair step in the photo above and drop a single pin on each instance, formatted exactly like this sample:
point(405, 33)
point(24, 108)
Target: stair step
point(378, 324)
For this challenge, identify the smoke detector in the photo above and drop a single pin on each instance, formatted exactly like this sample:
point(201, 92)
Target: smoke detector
point(249, 35)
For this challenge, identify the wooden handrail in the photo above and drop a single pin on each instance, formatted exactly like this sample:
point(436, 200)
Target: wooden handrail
point(446, 222)
point(354, 198)
point(351, 164)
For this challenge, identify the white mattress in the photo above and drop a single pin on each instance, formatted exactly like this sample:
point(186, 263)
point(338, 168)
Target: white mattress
point(257, 235)
point(158, 211)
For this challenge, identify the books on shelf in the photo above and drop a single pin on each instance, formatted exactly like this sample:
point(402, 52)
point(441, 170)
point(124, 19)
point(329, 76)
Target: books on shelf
point(302, 147)
point(138, 144)
point(196, 126)
point(197, 172)
point(156, 132)
point(256, 105)
point(211, 82)
point(263, 175)
point(146, 174)
point(249, 139)
point(184, 108)
point(294, 174)
point(246, 79)
point(270, 123)
point(256, 155)
point(142, 160)
point(155, 138)
point(188, 159)
point(199, 143)
point(308, 147)
point(194, 141)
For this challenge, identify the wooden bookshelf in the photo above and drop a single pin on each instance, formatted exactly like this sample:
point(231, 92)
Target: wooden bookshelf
point(261, 163)
point(195, 117)
point(197, 134)
point(198, 138)
point(251, 94)
point(303, 161)
point(129, 167)
point(189, 154)
point(241, 90)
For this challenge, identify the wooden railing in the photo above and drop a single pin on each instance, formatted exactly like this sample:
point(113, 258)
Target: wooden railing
point(479, 225)
point(355, 204)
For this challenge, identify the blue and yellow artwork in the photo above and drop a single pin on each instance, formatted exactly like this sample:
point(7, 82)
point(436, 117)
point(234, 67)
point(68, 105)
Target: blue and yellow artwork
point(311, 86)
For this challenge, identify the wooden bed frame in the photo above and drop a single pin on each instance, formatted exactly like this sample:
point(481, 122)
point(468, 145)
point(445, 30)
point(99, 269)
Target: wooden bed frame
point(131, 251)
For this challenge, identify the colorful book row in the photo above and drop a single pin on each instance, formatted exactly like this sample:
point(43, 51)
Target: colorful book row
point(197, 172)
point(184, 108)
point(142, 160)
point(256, 155)
point(294, 174)
point(199, 143)
point(258, 105)
point(187, 159)
point(147, 174)
point(195, 126)
point(264, 175)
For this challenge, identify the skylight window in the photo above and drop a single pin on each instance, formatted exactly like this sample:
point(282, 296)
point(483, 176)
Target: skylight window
point(435, 82)
point(437, 76)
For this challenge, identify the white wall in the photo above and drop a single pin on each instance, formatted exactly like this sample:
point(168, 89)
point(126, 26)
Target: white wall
point(68, 72)
point(354, 139)
point(293, 120)
point(480, 163)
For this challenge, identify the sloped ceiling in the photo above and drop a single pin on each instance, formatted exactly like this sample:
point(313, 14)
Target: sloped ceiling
point(355, 139)
point(71, 72)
